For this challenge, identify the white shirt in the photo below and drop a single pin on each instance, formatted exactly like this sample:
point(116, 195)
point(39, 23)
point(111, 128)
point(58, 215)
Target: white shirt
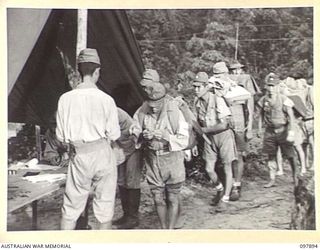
point(86, 114)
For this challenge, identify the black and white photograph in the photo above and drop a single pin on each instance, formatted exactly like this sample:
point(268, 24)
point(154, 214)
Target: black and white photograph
point(160, 119)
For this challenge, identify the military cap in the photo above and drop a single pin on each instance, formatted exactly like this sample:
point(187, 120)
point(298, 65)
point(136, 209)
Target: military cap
point(200, 78)
point(89, 55)
point(236, 65)
point(220, 68)
point(272, 79)
point(156, 95)
point(149, 76)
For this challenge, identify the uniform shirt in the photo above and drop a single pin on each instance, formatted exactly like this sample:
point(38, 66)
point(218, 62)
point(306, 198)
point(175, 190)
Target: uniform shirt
point(211, 110)
point(86, 114)
point(125, 141)
point(178, 139)
point(275, 110)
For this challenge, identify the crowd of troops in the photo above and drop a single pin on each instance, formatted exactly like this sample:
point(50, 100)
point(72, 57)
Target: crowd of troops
point(107, 148)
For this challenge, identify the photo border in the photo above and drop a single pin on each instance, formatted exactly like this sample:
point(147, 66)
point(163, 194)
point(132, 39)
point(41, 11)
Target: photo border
point(153, 236)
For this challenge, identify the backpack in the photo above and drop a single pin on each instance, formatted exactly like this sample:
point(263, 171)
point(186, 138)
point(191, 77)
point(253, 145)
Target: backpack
point(238, 94)
point(172, 105)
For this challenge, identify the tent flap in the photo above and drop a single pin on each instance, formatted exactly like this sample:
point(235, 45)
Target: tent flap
point(109, 32)
point(34, 96)
point(43, 78)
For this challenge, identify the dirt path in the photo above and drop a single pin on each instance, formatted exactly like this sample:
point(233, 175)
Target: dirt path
point(258, 208)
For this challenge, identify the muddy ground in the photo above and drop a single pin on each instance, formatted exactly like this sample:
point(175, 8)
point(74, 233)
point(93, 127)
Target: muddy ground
point(259, 208)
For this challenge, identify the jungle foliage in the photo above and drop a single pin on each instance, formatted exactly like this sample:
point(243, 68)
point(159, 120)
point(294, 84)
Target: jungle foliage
point(181, 42)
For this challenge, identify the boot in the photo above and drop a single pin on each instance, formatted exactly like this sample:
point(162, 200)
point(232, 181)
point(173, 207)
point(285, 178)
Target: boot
point(235, 193)
point(133, 209)
point(124, 203)
point(216, 199)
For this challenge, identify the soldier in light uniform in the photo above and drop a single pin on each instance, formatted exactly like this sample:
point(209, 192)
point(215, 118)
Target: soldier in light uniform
point(277, 114)
point(87, 119)
point(213, 115)
point(163, 134)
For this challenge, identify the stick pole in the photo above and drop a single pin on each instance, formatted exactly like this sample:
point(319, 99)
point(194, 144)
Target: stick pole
point(82, 30)
point(38, 142)
point(237, 37)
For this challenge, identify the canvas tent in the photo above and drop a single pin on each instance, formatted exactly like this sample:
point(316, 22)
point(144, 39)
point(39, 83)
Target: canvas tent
point(41, 41)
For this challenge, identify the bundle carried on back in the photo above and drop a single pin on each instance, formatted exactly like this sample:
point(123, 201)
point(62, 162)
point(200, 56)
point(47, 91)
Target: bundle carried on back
point(297, 91)
point(230, 90)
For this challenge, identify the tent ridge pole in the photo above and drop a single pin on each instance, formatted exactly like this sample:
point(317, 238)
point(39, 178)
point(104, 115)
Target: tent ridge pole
point(82, 30)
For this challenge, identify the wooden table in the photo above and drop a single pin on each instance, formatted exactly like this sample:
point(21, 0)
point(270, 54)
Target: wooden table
point(22, 192)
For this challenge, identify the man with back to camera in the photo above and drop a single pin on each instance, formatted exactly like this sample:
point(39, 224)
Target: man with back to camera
point(87, 119)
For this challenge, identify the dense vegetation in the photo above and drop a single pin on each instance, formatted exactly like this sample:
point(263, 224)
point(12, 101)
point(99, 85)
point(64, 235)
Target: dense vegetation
point(179, 43)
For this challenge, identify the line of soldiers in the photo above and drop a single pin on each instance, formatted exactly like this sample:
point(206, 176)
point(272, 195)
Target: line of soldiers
point(102, 137)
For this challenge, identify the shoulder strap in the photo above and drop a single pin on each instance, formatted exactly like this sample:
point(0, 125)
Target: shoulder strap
point(142, 113)
point(172, 111)
point(169, 109)
point(263, 100)
point(214, 98)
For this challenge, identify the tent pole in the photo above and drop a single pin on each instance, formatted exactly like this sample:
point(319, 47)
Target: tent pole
point(38, 142)
point(82, 30)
